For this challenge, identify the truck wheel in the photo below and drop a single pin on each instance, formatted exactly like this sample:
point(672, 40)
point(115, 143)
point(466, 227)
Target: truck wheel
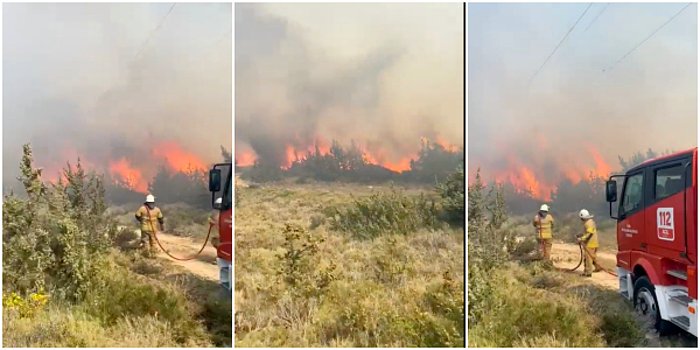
point(647, 306)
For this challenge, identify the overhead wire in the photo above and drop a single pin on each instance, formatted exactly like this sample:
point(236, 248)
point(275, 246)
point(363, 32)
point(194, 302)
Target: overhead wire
point(596, 17)
point(560, 42)
point(648, 37)
point(148, 39)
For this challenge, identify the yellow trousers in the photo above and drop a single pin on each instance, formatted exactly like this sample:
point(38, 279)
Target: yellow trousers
point(545, 247)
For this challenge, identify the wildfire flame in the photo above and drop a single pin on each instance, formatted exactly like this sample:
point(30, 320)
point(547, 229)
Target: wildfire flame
point(247, 157)
point(124, 171)
point(129, 176)
point(176, 158)
point(528, 179)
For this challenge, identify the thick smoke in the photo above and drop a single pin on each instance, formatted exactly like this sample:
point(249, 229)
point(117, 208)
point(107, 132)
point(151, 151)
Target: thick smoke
point(578, 114)
point(100, 82)
point(302, 80)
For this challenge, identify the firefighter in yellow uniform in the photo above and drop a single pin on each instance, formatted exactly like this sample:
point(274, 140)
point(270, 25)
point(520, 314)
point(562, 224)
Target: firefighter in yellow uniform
point(589, 240)
point(544, 223)
point(151, 218)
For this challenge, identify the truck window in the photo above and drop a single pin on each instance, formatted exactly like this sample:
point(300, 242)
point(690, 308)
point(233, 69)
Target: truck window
point(668, 181)
point(632, 198)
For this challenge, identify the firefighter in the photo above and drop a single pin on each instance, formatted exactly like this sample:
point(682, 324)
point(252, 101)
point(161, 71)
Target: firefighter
point(150, 218)
point(544, 223)
point(214, 222)
point(589, 241)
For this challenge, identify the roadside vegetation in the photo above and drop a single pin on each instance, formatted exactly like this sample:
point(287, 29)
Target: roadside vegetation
point(69, 279)
point(524, 303)
point(349, 265)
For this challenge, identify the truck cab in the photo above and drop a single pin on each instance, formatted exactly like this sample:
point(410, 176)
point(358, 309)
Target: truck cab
point(220, 187)
point(657, 238)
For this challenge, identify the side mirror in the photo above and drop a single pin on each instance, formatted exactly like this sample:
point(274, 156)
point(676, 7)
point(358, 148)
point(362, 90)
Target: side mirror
point(611, 191)
point(214, 180)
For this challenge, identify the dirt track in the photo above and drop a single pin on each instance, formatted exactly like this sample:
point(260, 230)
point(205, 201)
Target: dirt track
point(566, 256)
point(204, 265)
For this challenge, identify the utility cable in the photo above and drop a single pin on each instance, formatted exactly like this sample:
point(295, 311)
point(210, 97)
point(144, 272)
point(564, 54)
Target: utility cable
point(647, 38)
point(148, 39)
point(560, 42)
point(596, 17)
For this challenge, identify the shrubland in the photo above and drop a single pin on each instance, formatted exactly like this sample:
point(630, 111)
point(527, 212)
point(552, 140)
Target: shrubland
point(529, 303)
point(337, 264)
point(67, 283)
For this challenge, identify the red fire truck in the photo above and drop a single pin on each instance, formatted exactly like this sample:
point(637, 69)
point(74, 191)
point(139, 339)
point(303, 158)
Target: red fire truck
point(220, 187)
point(657, 232)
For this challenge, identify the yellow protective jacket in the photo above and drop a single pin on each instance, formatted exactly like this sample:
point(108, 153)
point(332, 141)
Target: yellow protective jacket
point(544, 226)
point(590, 234)
point(149, 223)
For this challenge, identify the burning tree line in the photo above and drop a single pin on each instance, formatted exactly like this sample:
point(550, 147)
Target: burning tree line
point(570, 196)
point(169, 185)
point(433, 163)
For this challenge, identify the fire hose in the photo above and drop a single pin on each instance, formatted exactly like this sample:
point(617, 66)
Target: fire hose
point(155, 236)
point(595, 263)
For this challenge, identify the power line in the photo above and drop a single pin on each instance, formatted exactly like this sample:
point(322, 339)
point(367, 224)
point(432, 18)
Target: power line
point(560, 42)
point(648, 37)
point(145, 43)
point(596, 17)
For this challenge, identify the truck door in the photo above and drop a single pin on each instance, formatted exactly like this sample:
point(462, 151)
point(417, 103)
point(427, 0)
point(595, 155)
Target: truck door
point(665, 212)
point(630, 228)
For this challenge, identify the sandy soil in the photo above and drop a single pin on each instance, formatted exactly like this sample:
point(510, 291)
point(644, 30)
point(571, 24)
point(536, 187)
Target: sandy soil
point(203, 265)
point(566, 256)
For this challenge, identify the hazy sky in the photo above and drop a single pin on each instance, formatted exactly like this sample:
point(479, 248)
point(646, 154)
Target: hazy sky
point(75, 83)
point(383, 75)
point(647, 100)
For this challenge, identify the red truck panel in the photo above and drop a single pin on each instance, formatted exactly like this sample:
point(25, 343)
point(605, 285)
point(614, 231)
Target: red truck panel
point(225, 233)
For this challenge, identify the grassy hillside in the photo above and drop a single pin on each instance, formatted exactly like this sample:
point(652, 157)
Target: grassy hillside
point(346, 265)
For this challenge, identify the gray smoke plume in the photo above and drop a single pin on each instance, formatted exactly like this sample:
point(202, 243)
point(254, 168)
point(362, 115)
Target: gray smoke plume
point(106, 81)
point(577, 106)
point(301, 77)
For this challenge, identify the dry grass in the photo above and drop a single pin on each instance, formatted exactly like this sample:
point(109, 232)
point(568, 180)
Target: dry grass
point(391, 290)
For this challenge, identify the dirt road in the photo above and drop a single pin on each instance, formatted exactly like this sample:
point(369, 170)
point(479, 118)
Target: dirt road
point(566, 256)
point(204, 265)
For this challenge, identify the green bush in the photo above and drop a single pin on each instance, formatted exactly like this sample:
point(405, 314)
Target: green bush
point(55, 237)
point(383, 213)
point(452, 193)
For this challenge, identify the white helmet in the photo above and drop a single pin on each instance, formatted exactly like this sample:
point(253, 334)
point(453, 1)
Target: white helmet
point(584, 214)
point(150, 199)
point(544, 207)
point(218, 200)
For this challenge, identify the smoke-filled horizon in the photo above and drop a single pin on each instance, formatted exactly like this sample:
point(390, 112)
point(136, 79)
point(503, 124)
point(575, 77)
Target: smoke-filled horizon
point(381, 75)
point(125, 87)
point(582, 109)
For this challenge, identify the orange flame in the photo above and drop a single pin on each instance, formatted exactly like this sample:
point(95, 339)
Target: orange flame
point(178, 159)
point(602, 168)
point(528, 179)
point(245, 159)
point(129, 176)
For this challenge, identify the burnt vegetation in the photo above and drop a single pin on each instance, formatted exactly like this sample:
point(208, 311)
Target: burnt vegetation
point(433, 164)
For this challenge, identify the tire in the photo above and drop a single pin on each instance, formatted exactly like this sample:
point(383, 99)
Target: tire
point(646, 305)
